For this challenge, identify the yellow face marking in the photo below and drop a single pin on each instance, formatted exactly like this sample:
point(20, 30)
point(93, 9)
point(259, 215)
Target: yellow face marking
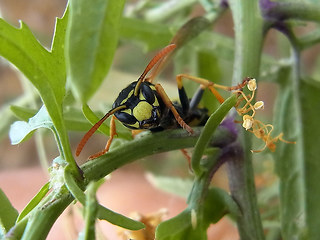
point(126, 99)
point(142, 111)
point(152, 87)
point(141, 97)
point(127, 111)
point(156, 103)
point(136, 125)
point(158, 113)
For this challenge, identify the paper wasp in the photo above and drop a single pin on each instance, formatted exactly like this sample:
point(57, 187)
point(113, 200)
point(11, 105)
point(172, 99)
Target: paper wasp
point(145, 105)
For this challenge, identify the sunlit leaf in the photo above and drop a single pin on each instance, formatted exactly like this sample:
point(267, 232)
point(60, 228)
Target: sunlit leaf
point(20, 130)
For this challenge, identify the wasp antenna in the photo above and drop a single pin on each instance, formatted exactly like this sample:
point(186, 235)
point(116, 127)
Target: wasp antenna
point(94, 128)
point(164, 52)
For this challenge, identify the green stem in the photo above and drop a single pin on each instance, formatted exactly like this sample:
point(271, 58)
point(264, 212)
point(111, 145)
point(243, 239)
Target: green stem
point(292, 180)
point(293, 10)
point(91, 210)
point(242, 188)
point(16, 232)
point(102, 212)
point(309, 40)
point(202, 183)
point(211, 125)
point(248, 25)
point(34, 202)
point(167, 9)
point(28, 88)
point(43, 218)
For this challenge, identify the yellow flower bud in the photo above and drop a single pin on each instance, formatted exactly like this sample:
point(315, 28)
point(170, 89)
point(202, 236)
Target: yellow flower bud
point(247, 122)
point(259, 105)
point(252, 84)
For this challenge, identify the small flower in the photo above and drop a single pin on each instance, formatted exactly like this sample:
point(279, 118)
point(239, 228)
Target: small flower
point(151, 221)
point(252, 84)
point(259, 105)
point(247, 122)
point(247, 110)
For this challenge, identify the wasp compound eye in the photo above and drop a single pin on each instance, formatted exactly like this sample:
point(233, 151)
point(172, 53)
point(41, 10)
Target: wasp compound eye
point(147, 93)
point(125, 117)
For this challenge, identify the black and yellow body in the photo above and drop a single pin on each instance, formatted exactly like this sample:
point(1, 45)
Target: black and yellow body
point(143, 111)
point(144, 105)
point(146, 110)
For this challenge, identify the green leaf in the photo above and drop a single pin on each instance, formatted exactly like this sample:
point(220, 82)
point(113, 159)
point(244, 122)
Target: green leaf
point(45, 70)
point(21, 48)
point(179, 227)
point(20, 130)
point(103, 212)
point(211, 125)
point(34, 201)
point(174, 185)
point(90, 211)
point(152, 35)
point(8, 214)
point(296, 165)
point(91, 41)
point(74, 119)
point(218, 203)
point(185, 226)
point(212, 73)
point(122, 132)
point(310, 100)
point(7, 119)
point(57, 48)
point(23, 113)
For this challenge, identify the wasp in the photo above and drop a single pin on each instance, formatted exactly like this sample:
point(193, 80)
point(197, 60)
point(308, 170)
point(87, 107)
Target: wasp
point(145, 105)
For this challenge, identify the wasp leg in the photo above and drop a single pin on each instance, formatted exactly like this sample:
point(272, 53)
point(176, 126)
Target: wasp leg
point(188, 157)
point(169, 105)
point(113, 132)
point(204, 82)
point(135, 132)
point(195, 100)
point(210, 85)
point(184, 100)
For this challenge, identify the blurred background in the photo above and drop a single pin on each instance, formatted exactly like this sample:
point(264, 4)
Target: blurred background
point(128, 190)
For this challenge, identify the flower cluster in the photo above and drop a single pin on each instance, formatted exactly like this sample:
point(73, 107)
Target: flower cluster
point(151, 221)
point(248, 112)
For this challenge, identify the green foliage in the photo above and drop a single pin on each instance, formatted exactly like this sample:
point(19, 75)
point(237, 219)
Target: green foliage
point(102, 212)
point(34, 202)
point(20, 129)
point(211, 125)
point(136, 30)
point(299, 125)
point(88, 54)
point(8, 214)
point(193, 222)
point(84, 44)
point(310, 99)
